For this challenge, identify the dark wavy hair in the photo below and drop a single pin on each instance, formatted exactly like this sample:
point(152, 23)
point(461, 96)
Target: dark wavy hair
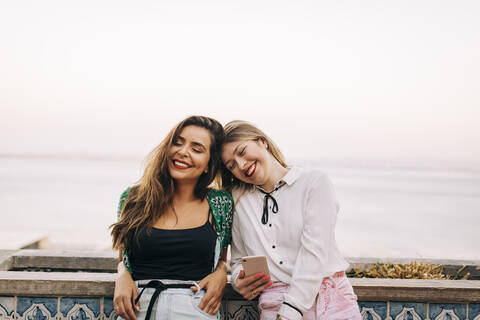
point(150, 198)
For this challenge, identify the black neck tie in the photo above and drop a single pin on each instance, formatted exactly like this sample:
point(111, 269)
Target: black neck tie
point(268, 195)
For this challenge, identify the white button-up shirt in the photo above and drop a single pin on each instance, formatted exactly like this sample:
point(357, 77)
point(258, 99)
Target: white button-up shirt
point(298, 240)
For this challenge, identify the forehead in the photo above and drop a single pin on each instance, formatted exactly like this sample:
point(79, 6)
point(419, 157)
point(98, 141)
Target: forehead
point(196, 134)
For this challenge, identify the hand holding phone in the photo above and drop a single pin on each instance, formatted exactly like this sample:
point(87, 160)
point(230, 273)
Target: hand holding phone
point(254, 278)
point(255, 264)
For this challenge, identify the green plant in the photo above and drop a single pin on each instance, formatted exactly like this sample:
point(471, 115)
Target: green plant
point(411, 270)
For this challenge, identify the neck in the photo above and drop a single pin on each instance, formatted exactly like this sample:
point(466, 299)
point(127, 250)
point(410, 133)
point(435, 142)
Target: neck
point(277, 171)
point(184, 191)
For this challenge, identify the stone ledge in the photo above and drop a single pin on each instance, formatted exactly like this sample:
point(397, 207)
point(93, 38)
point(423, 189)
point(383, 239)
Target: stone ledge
point(64, 260)
point(56, 283)
point(451, 291)
point(6, 259)
point(102, 284)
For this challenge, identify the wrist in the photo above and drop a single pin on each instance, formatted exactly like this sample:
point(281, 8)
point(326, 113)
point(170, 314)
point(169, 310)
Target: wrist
point(124, 273)
point(222, 265)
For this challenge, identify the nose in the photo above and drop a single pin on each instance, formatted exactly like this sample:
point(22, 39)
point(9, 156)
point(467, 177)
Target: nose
point(183, 151)
point(242, 164)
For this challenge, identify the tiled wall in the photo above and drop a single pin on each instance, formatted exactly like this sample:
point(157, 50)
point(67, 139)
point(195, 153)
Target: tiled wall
point(58, 308)
point(419, 311)
point(71, 308)
point(245, 310)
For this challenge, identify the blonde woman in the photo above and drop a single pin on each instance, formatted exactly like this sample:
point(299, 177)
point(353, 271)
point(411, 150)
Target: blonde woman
point(173, 230)
point(287, 214)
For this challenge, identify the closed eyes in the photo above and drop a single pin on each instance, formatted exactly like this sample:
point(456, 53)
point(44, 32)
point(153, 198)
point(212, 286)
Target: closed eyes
point(196, 146)
point(241, 153)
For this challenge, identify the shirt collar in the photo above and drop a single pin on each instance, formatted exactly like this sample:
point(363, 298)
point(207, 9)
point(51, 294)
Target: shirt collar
point(289, 178)
point(292, 175)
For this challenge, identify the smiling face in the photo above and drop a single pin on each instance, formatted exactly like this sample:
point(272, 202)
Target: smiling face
point(189, 154)
point(248, 160)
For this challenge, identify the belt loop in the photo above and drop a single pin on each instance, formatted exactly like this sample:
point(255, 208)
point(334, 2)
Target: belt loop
point(197, 286)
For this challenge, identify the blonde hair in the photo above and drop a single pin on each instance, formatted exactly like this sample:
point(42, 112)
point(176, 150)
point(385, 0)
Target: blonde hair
point(149, 199)
point(239, 130)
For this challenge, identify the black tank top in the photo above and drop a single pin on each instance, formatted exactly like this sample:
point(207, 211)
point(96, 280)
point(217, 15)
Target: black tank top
point(178, 254)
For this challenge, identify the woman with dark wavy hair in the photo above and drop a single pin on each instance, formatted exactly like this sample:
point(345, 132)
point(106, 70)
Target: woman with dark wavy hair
point(173, 229)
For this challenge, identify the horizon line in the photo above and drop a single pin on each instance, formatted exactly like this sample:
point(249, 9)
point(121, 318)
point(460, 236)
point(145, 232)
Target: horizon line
point(346, 162)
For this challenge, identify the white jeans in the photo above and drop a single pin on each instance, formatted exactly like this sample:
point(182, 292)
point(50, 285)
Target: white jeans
point(173, 304)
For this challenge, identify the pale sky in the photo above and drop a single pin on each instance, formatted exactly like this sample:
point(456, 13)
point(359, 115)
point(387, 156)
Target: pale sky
point(377, 79)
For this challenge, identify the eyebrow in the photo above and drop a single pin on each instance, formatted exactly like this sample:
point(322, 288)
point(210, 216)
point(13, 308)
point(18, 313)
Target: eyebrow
point(195, 143)
point(199, 144)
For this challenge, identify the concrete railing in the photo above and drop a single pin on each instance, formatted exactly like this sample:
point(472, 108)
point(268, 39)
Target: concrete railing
point(80, 285)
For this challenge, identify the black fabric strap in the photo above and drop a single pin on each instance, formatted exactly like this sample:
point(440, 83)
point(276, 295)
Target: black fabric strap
point(293, 307)
point(268, 195)
point(159, 287)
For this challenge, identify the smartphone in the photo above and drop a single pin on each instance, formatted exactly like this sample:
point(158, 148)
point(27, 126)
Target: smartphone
point(255, 264)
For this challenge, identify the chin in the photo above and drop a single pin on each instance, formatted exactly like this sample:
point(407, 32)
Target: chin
point(247, 180)
point(176, 175)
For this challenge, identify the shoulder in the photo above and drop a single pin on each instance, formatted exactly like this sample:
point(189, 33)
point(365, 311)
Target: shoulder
point(123, 198)
point(125, 192)
point(214, 194)
point(220, 200)
point(236, 192)
point(312, 178)
point(221, 204)
point(124, 195)
point(309, 174)
point(243, 192)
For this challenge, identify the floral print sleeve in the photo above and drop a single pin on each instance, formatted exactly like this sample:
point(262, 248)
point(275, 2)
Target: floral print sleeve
point(121, 203)
point(221, 203)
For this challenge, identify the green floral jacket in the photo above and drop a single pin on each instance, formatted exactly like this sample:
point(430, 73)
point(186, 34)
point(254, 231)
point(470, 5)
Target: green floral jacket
point(221, 203)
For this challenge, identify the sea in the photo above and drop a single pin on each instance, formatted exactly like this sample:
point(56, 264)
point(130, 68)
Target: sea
point(385, 211)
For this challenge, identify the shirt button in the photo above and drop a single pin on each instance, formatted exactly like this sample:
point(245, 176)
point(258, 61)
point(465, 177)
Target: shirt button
point(273, 246)
point(281, 262)
point(270, 225)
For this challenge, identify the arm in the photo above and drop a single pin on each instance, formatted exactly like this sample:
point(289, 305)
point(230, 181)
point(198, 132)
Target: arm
point(248, 287)
point(125, 288)
point(125, 293)
point(317, 237)
point(214, 284)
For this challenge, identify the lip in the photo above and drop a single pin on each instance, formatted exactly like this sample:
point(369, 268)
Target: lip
point(251, 169)
point(178, 164)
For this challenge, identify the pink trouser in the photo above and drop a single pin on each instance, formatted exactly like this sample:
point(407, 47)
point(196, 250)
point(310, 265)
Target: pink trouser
point(335, 300)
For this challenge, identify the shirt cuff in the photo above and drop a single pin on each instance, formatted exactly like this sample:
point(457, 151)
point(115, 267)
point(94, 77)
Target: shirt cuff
point(289, 313)
point(235, 273)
